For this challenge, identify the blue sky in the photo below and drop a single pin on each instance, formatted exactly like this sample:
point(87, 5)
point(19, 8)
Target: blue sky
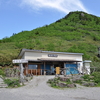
point(20, 15)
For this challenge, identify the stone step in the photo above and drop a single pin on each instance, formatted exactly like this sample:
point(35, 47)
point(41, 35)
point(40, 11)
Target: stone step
point(3, 85)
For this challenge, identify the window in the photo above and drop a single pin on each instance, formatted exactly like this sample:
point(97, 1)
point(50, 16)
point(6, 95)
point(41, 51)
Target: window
point(32, 66)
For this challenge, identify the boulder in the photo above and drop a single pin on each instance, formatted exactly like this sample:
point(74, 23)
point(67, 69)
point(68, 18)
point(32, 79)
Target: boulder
point(77, 79)
point(85, 84)
point(61, 84)
point(71, 85)
point(64, 79)
point(91, 77)
point(92, 84)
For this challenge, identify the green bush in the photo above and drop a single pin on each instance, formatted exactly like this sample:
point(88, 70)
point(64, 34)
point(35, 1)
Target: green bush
point(12, 83)
point(96, 77)
point(68, 81)
point(86, 77)
point(53, 84)
point(2, 72)
point(78, 81)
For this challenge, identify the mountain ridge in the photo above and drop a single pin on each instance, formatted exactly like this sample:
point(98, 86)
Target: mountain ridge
point(76, 32)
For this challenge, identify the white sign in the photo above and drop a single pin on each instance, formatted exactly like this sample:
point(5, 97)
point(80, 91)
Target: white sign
point(52, 55)
point(19, 61)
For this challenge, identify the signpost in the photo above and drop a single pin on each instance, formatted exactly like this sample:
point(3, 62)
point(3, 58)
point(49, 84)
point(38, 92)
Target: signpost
point(20, 62)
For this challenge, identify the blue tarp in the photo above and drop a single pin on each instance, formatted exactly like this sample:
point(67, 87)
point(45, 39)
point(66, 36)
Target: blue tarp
point(47, 68)
point(71, 69)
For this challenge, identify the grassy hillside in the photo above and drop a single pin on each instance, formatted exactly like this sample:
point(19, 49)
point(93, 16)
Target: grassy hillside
point(76, 32)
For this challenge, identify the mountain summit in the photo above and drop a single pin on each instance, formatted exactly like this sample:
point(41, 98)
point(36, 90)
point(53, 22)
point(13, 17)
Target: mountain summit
point(76, 32)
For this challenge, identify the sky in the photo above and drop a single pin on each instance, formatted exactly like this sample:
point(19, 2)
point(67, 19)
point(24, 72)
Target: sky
point(22, 15)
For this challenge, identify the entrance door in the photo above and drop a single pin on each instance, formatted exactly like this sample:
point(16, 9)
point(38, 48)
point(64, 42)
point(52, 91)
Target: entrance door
point(47, 69)
point(71, 69)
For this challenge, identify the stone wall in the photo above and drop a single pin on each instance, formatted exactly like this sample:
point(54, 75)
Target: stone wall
point(12, 72)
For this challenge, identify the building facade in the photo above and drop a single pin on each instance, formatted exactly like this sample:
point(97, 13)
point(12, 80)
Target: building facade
point(45, 62)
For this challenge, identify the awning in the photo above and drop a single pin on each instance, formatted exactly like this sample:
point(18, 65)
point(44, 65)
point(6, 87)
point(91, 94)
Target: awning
point(62, 60)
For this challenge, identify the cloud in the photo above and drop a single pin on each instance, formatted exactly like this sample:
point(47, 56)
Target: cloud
point(61, 5)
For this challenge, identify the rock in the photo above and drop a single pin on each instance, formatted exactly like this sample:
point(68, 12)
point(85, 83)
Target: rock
point(12, 72)
point(91, 77)
point(85, 84)
point(77, 79)
point(71, 85)
point(92, 84)
point(91, 80)
point(78, 76)
point(64, 79)
point(50, 81)
point(21, 84)
point(15, 86)
point(61, 84)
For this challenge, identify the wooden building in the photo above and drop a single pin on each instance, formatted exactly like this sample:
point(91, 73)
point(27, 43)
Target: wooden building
point(45, 62)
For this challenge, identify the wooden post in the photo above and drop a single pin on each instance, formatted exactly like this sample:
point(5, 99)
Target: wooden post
point(44, 69)
point(27, 69)
point(20, 62)
point(36, 71)
point(21, 73)
point(41, 71)
point(31, 71)
point(64, 69)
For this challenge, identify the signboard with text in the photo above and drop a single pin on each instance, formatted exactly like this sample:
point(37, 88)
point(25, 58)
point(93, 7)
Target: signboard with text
point(20, 61)
point(52, 55)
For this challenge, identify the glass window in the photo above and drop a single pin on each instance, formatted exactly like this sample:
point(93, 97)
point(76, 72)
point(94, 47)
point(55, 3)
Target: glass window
point(32, 66)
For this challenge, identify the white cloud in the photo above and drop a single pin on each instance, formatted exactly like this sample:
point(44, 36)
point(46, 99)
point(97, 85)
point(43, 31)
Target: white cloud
point(61, 5)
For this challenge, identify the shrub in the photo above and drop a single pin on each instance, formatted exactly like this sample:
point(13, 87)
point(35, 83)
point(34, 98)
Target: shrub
point(53, 84)
point(86, 77)
point(12, 83)
point(2, 72)
point(78, 81)
point(68, 81)
point(96, 77)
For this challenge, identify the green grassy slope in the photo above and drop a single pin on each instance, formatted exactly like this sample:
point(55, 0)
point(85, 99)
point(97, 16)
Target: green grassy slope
point(76, 32)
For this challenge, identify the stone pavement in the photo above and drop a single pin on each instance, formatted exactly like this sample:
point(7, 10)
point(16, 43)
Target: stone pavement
point(38, 89)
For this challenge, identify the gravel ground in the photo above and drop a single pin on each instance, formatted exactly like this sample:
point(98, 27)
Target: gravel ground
point(38, 89)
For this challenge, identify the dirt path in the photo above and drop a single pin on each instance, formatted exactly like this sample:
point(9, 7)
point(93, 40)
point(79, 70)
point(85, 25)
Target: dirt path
point(38, 89)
